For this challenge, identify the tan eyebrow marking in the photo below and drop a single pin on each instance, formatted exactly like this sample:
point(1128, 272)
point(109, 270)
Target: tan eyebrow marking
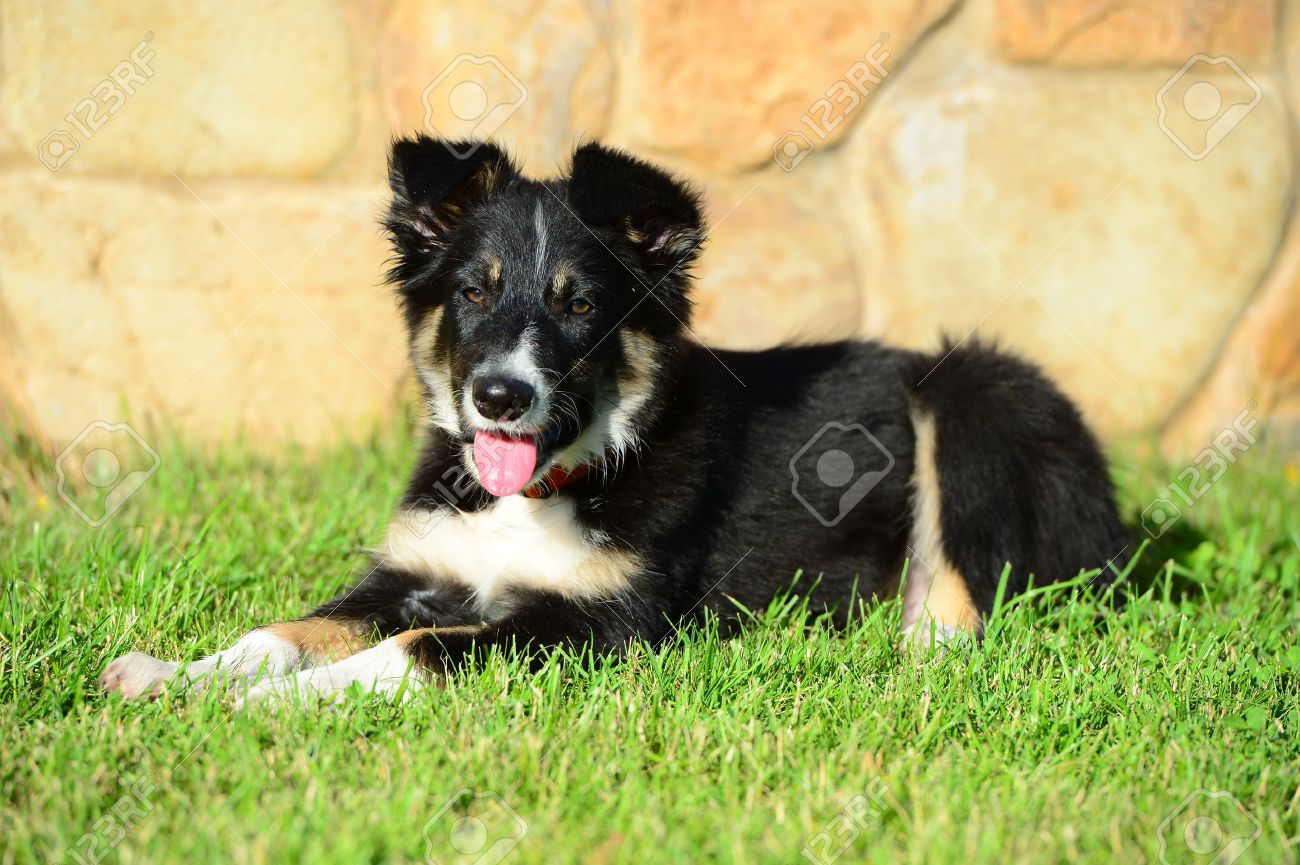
point(494, 269)
point(560, 281)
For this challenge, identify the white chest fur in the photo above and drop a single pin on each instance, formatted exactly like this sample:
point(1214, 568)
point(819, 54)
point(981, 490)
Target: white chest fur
point(514, 542)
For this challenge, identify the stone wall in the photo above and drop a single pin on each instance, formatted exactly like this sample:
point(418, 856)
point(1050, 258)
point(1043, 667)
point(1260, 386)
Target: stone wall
point(188, 192)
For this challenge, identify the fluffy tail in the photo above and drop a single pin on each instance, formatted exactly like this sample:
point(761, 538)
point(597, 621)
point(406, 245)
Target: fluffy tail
point(1008, 472)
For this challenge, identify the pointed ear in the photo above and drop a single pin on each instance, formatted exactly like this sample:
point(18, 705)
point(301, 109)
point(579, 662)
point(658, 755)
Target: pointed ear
point(659, 215)
point(433, 186)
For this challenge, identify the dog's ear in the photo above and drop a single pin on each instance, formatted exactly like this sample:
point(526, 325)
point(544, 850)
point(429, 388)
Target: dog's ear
point(433, 186)
point(659, 215)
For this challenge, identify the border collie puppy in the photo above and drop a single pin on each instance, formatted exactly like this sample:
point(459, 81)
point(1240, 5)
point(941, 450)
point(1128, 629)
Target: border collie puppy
point(592, 477)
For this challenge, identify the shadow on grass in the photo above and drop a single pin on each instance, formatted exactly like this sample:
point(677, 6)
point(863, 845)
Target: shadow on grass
point(1178, 543)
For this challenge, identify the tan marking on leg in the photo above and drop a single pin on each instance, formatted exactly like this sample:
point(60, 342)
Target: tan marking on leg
point(432, 668)
point(934, 592)
point(323, 639)
point(406, 638)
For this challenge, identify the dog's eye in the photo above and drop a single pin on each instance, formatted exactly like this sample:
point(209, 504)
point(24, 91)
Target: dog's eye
point(474, 295)
point(579, 306)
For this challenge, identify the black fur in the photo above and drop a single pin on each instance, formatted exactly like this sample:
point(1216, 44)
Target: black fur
point(1023, 480)
point(704, 493)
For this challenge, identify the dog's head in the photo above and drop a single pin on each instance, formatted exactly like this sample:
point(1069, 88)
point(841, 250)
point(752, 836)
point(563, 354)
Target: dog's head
point(543, 315)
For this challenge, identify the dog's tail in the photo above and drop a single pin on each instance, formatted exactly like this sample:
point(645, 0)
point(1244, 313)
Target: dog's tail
point(1007, 473)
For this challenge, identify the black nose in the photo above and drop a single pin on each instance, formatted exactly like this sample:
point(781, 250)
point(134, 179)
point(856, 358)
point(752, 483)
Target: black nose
point(502, 399)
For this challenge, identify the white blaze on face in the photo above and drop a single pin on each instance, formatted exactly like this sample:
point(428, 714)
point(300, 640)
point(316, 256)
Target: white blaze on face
point(539, 225)
point(518, 363)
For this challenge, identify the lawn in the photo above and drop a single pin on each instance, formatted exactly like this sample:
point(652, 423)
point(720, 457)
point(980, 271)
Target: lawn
point(1077, 732)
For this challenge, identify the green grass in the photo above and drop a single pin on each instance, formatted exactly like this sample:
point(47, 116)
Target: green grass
point(1070, 735)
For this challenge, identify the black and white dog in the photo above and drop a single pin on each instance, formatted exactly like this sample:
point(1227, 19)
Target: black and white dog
point(592, 477)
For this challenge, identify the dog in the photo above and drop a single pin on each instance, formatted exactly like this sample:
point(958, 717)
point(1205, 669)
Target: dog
point(591, 476)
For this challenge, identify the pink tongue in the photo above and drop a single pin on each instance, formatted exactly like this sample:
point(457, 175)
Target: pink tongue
point(505, 465)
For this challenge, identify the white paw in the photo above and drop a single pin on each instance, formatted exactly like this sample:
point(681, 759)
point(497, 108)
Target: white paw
point(136, 675)
point(380, 670)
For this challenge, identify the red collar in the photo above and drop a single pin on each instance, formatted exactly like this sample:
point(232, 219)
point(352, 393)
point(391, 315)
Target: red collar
point(554, 480)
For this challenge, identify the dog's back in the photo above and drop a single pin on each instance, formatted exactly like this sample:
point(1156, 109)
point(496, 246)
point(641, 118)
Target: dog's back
point(849, 460)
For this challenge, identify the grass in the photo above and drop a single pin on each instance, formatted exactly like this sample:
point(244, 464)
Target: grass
point(1071, 734)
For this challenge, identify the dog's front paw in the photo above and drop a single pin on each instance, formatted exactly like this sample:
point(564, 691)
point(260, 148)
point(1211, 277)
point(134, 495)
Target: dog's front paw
point(136, 675)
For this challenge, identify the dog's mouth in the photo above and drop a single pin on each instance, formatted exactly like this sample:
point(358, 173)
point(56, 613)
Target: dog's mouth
point(505, 463)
